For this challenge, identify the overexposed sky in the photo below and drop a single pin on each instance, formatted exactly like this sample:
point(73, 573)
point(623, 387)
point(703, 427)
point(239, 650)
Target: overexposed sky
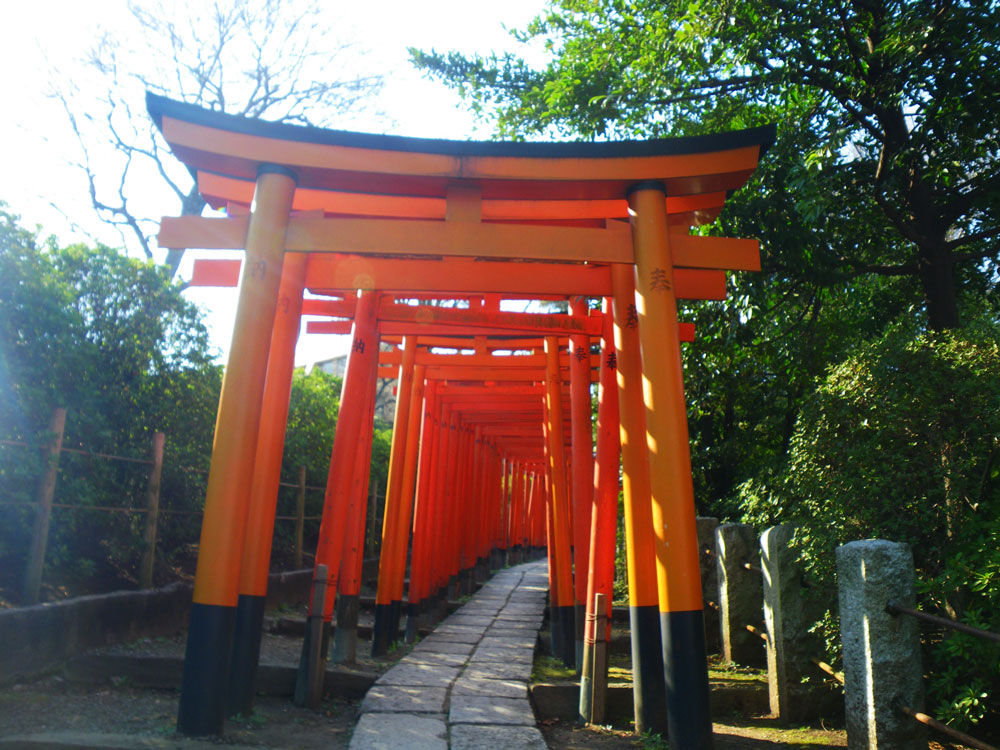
point(37, 149)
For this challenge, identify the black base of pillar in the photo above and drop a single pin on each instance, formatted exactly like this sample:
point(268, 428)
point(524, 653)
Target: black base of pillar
point(246, 654)
point(412, 621)
point(567, 623)
point(555, 632)
point(202, 708)
point(453, 587)
point(345, 636)
point(395, 616)
point(442, 602)
point(685, 668)
point(380, 630)
point(648, 687)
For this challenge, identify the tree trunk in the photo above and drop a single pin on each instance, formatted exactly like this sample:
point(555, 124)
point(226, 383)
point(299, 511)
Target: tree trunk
point(937, 279)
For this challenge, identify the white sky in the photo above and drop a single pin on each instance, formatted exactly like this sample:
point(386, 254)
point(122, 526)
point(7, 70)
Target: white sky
point(37, 147)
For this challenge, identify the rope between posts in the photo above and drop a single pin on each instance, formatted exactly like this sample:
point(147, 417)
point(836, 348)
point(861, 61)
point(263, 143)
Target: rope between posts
point(895, 609)
point(933, 723)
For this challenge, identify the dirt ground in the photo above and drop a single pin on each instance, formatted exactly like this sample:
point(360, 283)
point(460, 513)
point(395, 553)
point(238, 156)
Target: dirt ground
point(54, 705)
point(751, 734)
point(118, 712)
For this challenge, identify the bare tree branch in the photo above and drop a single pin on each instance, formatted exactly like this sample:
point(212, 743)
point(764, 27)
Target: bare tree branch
point(277, 60)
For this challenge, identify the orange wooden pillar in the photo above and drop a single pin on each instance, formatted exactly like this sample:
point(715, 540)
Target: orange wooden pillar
point(480, 497)
point(383, 632)
point(466, 537)
point(450, 530)
point(564, 609)
point(685, 665)
point(604, 513)
point(359, 381)
point(220, 551)
point(516, 510)
point(423, 517)
point(404, 521)
point(582, 470)
point(537, 511)
point(438, 587)
point(649, 690)
point(264, 488)
point(343, 648)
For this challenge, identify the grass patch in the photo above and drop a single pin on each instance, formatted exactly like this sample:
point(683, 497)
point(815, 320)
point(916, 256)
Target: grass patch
point(550, 669)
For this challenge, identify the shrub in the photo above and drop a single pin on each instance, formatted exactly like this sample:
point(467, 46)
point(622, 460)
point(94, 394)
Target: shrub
point(902, 441)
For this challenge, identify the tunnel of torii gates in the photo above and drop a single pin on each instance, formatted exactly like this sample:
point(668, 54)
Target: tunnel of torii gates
point(493, 457)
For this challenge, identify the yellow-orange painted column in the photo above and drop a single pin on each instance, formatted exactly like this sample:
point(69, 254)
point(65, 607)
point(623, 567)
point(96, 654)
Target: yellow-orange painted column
point(264, 487)
point(216, 586)
point(649, 689)
point(678, 576)
point(383, 632)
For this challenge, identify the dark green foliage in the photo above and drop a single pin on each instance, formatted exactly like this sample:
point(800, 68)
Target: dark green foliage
point(877, 211)
point(902, 441)
point(113, 340)
point(890, 108)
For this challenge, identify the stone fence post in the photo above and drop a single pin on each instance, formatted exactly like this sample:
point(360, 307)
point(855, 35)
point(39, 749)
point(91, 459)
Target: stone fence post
point(790, 646)
point(740, 594)
point(709, 580)
point(882, 669)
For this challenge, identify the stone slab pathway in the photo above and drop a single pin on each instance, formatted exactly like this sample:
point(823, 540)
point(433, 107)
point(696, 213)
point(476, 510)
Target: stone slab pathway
point(465, 686)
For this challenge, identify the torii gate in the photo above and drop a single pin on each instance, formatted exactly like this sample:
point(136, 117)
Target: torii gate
point(541, 219)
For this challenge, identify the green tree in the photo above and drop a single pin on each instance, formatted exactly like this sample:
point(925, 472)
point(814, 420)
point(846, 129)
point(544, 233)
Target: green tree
point(899, 99)
point(902, 441)
point(112, 340)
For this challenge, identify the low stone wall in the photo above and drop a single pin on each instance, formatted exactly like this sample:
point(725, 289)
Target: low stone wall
point(40, 638)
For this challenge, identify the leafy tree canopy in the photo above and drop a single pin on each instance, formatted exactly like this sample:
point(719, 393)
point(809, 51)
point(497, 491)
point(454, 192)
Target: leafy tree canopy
point(902, 441)
point(893, 102)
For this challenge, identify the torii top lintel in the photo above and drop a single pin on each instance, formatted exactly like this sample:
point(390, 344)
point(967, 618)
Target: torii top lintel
point(229, 146)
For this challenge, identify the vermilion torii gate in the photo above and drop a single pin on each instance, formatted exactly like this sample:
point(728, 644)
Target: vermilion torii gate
point(399, 218)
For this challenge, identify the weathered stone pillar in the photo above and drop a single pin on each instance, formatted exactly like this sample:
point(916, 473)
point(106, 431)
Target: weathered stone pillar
point(709, 580)
point(882, 668)
point(790, 645)
point(740, 594)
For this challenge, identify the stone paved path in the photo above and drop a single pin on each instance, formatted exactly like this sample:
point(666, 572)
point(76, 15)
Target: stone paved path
point(465, 686)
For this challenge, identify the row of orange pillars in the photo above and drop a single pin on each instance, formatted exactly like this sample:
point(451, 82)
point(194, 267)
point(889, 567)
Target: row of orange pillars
point(493, 458)
point(492, 462)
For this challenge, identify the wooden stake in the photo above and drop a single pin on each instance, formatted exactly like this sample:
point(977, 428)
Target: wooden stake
point(152, 513)
point(314, 675)
point(300, 516)
point(599, 677)
point(46, 489)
